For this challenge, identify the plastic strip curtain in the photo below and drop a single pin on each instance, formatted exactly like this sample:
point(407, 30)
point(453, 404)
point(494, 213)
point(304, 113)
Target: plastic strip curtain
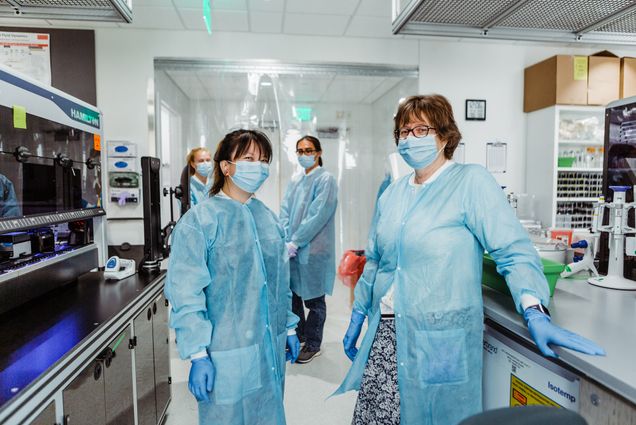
point(349, 108)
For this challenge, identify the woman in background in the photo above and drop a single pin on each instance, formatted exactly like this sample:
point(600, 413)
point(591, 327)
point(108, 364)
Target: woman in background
point(307, 214)
point(200, 162)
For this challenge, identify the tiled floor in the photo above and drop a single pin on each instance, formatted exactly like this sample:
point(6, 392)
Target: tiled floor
point(307, 386)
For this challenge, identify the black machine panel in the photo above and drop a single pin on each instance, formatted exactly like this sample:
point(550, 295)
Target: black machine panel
point(619, 169)
point(46, 168)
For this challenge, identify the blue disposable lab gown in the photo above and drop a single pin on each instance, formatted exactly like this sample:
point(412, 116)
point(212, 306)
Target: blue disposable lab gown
point(307, 214)
point(9, 206)
point(228, 284)
point(429, 243)
point(199, 191)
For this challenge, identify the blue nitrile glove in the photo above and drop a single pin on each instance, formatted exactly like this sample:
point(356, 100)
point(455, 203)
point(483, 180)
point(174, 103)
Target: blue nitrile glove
point(201, 379)
point(292, 249)
point(293, 348)
point(353, 332)
point(543, 332)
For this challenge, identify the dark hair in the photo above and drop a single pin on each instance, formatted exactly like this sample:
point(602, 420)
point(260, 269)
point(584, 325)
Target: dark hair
point(314, 141)
point(439, 113)
point(234, 145)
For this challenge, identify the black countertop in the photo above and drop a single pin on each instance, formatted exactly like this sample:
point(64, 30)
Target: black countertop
point(36, 336)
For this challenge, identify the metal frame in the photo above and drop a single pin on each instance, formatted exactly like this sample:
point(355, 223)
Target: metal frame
point(118, 12)
point(403, 24)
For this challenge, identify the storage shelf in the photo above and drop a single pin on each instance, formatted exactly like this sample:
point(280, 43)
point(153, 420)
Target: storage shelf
point(581, 142)
point(577, 199)
point(583, 169)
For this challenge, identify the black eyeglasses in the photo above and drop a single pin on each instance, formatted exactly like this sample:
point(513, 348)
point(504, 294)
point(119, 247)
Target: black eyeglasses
point(418, 131)
point(305, 151)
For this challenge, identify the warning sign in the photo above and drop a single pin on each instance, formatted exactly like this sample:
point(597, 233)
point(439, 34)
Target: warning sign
point(522, 394)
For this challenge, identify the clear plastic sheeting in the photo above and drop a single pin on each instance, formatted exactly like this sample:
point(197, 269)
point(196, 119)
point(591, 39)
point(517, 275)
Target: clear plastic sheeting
point(349, 108)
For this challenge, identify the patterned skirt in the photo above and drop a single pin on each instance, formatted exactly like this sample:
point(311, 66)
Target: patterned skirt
point(379, 398)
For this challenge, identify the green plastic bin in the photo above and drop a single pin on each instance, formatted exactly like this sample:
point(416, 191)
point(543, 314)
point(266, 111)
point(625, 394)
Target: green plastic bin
point(565, 161)
point(494, 280)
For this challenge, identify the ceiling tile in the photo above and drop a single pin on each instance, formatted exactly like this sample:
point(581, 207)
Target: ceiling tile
point(304, 89)
point(193, 19)
point(382, 89)
point(370, 26)
point(267, 5)
point(333, 7)
point(151, 3)
point(216, 4)
point(229, 20)
point(266, 22)
point(222, 20)
point(374, 8)
point(156, 17)
point(315, 24)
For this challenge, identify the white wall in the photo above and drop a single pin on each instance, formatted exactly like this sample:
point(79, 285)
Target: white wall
point(492, 71)
point(458, 70)
point(124, 61)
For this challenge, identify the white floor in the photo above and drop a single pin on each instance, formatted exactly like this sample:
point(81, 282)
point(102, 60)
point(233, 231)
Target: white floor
point(306, 387)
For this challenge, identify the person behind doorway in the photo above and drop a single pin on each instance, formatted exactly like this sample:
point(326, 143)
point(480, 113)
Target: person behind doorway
point(307, 214)
point(200, 162)
point(420, 361)
point(9, 206)
point(228, 285)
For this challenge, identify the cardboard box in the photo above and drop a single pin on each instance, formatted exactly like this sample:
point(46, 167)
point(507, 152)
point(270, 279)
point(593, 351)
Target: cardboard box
point(603, 78)
point(559, 80)
point(628, 78)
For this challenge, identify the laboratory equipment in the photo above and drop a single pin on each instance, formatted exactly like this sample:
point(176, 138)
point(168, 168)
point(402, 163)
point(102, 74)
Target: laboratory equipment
point(156, 239)
point(619, 169)
point(15, 245)
point(587, 263)
point(617, 229)
point(119, 268)
point(50, 159)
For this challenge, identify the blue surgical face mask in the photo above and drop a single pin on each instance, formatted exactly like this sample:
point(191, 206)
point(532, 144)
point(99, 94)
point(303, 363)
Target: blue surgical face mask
point(307, 161)
point(204, 168)
point(250, 175)
point(419, 152)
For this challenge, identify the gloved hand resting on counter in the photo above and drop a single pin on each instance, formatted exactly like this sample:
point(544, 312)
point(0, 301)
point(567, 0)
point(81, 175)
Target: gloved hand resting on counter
point(353, 332)
point(201, 380)
point(543, 332)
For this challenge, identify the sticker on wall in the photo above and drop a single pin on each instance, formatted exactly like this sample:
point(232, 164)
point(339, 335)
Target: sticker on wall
point(19, 117)
point(97, 142)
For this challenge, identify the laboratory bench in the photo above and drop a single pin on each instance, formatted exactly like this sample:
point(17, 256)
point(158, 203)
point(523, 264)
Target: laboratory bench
point(607, 392)
point(94, 351)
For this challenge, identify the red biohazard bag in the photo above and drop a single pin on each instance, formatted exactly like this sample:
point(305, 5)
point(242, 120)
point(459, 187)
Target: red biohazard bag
point(351, 266)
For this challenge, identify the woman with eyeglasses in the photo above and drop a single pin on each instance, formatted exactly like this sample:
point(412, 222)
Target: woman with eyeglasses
point(307, 214)
point(228, 285)
point(420, 361)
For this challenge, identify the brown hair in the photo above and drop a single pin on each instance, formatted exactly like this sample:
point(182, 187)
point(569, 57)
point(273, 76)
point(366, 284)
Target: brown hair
point(234, 145)
point(314, 141)
point(439, 113)
point(191, 155)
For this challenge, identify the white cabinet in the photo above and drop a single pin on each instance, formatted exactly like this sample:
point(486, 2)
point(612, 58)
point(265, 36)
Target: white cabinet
point(564, 157)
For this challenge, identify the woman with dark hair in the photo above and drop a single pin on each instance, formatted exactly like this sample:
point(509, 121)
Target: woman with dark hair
point(200, 164)
point(421, 358)
point(307, 215)
point(228, 285)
